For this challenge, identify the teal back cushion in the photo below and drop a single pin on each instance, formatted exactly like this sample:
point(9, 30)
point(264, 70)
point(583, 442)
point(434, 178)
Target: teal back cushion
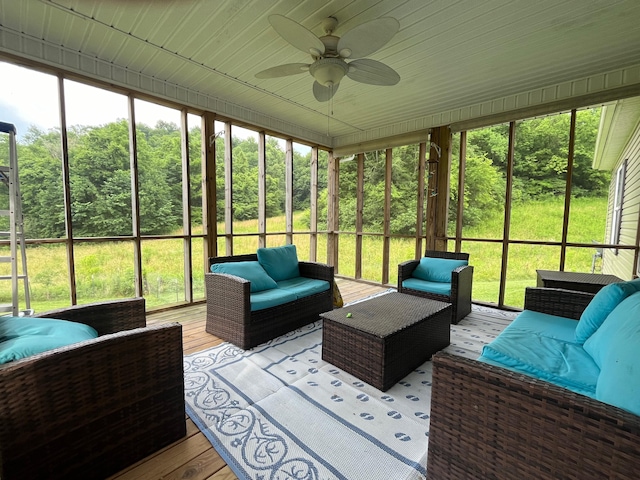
point(614, 347)
point(437, 269)
point(600, 307)
point(281, 263)
point(22, 337)
point(251, 271)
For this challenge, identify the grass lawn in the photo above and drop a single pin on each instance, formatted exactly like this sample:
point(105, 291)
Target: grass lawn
point(105, 270)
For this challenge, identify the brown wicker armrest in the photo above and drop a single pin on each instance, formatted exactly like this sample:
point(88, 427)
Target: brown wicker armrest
point(556, 301)
point(489, 422)
point(228, 295)
point(405, 269)
point(105, 317)
point(91, 409)
point(319, 271)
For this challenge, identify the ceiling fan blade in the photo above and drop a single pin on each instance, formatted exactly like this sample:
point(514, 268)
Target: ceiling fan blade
point(297, 35)
point(322, 93)
point(283, 70)
point(372, 72)
point(368, 37)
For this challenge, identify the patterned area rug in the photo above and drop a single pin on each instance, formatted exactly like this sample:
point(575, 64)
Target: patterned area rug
point(279, 411)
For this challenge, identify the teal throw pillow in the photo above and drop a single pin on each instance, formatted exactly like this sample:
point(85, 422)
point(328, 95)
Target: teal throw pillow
point(22, 337)
point(617, 343)
point(609, 337)
point(281, 263)
point(635, 283)
point(437, 269)
point(250, 270)
point(600, 307)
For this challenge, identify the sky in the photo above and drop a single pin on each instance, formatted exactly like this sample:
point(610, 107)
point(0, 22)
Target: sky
point(29, 97)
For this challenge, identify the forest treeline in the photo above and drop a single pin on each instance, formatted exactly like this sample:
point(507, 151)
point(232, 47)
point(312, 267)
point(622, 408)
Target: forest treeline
point(100, 177)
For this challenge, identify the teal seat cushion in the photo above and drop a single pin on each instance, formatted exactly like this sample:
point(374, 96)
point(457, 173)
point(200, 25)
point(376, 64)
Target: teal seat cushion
point(550, 358)
point(304, 287)
point(22, 337)
point(551, 326)
point(600, 307)
point(271, 298)
point(437, 269)
point(251, 271)
point(615, 346)
point(281, 263)
point(438, 288)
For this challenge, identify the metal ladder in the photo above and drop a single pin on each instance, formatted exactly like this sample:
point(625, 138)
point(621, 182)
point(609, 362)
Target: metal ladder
point(15, 235)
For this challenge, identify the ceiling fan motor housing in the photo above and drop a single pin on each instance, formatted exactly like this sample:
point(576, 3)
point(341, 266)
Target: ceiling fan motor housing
point(329, 71)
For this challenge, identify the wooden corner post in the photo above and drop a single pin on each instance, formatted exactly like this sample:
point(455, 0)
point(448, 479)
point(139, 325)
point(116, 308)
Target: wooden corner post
point(438, 172)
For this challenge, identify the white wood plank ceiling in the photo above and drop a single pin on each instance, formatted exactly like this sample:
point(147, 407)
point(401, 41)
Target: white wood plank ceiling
point(457, 59)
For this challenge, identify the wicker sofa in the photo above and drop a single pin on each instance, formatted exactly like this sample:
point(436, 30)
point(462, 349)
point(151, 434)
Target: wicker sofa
point(90, 409)
point(229, 313)
point(491, 422)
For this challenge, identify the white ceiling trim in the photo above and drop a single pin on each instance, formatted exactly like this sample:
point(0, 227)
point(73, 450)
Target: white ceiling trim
point(39, 50)
point(616, 79)
point(47, 53)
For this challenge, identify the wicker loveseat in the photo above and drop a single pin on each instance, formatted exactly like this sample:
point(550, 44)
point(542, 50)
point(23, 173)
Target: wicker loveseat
point(492, 422)
point(90, 409)
point(229, 312)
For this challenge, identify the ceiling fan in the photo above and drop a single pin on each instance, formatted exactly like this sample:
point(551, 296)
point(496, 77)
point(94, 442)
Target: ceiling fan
point(329, 54)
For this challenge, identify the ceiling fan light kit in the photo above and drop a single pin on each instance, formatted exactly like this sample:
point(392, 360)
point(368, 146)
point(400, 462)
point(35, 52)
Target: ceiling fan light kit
point(329, 53)
point(328, 71)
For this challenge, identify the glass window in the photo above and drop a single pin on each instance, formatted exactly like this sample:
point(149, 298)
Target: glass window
point(244, 181)
point(275, 191)
point(29, 101)
point(485, 182)
point(616, 219)
point(99, 161)
point(104, 271)
point(195, 172)
point(159, 144)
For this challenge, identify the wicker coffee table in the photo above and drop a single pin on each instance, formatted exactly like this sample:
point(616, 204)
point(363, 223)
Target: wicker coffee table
point(385, 338)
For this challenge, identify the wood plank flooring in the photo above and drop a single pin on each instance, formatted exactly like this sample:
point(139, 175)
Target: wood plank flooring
point(193, 457)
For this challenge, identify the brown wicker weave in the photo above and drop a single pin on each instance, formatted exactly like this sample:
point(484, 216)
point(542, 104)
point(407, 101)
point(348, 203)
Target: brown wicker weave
point(461, 284)
point(386, 337)
point(91, 409)
point(491, 423)
point(229, 314)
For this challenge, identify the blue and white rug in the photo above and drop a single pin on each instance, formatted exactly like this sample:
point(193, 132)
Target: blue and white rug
point(279, 411)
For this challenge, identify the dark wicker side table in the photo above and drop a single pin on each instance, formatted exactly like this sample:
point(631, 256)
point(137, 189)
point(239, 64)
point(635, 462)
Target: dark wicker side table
point(386, 337)
point(583, 282)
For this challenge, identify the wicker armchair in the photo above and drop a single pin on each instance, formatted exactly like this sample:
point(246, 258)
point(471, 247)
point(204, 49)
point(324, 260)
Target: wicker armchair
point(490, 422)
point(229, 314)
point(461, 283)
point(93, 408)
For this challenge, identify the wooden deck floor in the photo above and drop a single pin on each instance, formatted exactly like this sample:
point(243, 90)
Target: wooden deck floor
point(193, 457)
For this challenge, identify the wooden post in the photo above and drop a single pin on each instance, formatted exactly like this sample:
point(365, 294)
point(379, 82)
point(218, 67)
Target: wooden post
point(186, 207)
point(68, 223)
point(387, 216)
point(332, 211)
point(507, 212)
point(461, 174)
point(422, 154)
point(567, 190)
point(438, 188)
point(359, 212)
point(262, 190)
point(288, 188)
point(209, 194)
point(313, 221)
point(228, 188)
